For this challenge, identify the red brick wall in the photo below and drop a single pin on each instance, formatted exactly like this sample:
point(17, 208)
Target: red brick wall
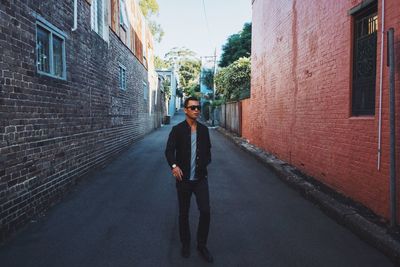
point(300, 105)
point(246, 118)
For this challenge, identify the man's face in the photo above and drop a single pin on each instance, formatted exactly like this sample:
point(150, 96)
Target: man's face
point(192, 109)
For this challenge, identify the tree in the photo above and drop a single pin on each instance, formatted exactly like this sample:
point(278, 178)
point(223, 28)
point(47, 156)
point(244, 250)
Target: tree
point(237, 46)
point(150, 8)
point(194, 90)
point(187, 65)
point(234, 81)
point(177, 55)
point(167, 89)
point(207, 78)
point(160, 63)
point(189, 72)
point(156, 30)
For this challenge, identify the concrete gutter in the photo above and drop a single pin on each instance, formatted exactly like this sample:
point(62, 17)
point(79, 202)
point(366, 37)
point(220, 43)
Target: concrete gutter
point(368, 226)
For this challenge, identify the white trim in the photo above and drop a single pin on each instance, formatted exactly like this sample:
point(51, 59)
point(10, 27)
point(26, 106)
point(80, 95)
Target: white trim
point(75, 16)
point(380, 87)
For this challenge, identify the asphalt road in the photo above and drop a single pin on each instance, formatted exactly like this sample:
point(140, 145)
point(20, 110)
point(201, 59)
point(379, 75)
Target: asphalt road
point(126, 215)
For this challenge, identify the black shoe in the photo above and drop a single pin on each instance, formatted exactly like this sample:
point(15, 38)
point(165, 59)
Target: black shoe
point(205, 254)
point(185, 251)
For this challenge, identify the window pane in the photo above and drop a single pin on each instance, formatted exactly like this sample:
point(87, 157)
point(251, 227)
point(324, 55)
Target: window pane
point(364, 62)
point(373, 24)
point(120, 77)
point(43, 53)
point(124, 79)
point(58, 56)
point(123, 15)
point(99, 16)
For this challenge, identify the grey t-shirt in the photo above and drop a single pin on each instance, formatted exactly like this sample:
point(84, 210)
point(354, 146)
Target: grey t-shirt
point(193, 157)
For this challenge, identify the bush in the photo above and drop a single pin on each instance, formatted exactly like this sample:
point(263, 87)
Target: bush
point(233, 81)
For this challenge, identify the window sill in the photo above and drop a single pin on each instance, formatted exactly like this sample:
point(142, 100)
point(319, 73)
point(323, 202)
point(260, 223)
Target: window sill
point(365, 117)
point(51, 75)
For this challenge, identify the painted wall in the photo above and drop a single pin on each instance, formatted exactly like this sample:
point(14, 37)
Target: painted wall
point(300, 105)
point(174, 102)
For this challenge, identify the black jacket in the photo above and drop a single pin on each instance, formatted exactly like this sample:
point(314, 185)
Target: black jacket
point(178, 150)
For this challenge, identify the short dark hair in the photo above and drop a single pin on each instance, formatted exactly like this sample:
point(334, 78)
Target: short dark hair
point(193, 98)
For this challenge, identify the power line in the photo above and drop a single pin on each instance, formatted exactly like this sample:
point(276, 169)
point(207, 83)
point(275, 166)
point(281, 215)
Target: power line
point(207, 24)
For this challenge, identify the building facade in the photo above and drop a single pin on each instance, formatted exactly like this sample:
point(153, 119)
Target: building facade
point(172, 82)
point(320, 94)
point(74, 93)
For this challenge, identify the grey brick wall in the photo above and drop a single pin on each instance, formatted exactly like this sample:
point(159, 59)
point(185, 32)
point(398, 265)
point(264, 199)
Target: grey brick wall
point(53, 131)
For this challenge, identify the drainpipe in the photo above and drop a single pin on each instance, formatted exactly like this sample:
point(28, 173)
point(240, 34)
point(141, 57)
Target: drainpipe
point(75, 16)
point(381, 85)
point(392, 129)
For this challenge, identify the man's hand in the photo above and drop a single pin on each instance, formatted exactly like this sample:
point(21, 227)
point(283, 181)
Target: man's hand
point(177, 172)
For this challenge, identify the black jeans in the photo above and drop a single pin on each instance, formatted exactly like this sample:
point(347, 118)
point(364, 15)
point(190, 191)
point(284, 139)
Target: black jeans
point(200, 190)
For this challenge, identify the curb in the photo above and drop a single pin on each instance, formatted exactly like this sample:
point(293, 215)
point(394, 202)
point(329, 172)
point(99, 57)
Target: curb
point(377, 235)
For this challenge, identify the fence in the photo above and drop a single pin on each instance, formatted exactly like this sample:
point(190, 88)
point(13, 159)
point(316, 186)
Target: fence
point(230, 117)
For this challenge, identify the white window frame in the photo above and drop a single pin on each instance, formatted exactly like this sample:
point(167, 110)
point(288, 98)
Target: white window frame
point(53, 31)
point(123, 17)
point(94, 10)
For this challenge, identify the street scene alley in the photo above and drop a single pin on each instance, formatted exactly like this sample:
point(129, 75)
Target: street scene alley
point(126, 214)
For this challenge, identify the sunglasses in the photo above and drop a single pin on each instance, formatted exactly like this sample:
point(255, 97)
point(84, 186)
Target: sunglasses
point(194, 107)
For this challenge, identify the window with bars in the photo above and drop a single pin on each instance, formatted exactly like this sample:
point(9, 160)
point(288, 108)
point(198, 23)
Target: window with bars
point(364, 61)
point(122, 77)
point(50, 50)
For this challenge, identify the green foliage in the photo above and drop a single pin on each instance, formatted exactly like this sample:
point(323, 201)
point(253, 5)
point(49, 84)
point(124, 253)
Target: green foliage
point(207, 78)
point(188, 71)
point(193, 90)
point(177, 55)
point(188, 67)
point(237, 46)
point(160, 63)
point(234, 81)
point(156, 30)
point(149, 7)
point(217, 102)
point(167, 89)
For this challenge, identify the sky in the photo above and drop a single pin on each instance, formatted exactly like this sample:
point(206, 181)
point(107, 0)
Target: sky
point(185, 25)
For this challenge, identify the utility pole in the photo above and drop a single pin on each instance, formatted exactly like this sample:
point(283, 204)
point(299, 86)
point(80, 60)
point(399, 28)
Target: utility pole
point(214, 91)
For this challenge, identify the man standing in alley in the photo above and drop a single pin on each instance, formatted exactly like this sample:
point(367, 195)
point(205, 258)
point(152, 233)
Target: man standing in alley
point(188, 153)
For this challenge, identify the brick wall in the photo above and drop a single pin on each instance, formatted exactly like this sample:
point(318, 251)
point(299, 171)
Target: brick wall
point(53, 131)
point(300, 105)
